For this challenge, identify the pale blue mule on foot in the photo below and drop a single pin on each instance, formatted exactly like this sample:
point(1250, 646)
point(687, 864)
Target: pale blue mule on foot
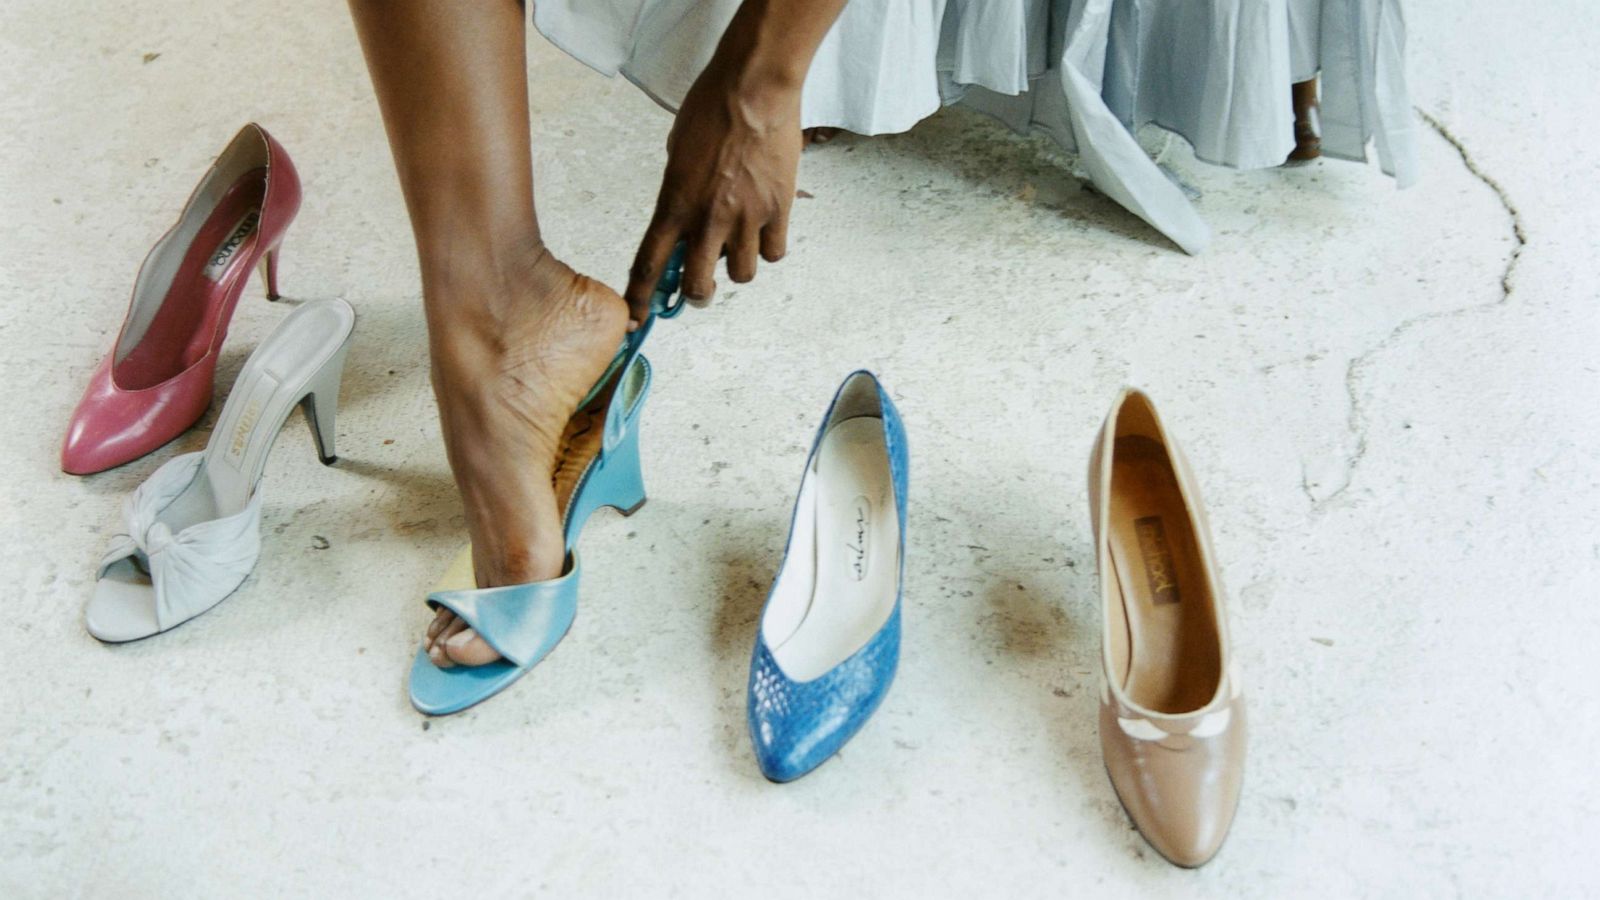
point(829, 639)
point(524, 622)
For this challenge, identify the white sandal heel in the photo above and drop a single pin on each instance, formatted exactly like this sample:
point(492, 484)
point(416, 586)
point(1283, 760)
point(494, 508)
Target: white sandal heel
point(191, 532)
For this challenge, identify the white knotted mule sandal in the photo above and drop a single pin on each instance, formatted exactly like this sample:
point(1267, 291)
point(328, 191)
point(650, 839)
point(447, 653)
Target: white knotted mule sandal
point(191, 532)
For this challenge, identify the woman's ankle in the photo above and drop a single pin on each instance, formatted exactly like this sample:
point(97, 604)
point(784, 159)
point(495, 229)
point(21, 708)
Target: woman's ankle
point(477, 288)
point(538, 306)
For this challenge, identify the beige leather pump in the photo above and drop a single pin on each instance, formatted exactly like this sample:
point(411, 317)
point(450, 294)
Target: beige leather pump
point(1172, 723)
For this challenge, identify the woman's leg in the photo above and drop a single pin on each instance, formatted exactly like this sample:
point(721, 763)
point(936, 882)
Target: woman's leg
point(516, 337)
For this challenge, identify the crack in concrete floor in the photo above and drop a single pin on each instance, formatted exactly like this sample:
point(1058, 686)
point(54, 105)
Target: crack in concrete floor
point(1355, 422)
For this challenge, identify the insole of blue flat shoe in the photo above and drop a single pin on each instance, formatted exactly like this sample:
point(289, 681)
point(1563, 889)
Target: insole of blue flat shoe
point(1174, 652)
point(855, 547)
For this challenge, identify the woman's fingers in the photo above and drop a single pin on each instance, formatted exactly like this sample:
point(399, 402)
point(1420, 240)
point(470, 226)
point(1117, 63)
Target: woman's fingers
point(648, 265)
point(742, 253)
point(775, 237)
point(743, 245)
point(700, 268)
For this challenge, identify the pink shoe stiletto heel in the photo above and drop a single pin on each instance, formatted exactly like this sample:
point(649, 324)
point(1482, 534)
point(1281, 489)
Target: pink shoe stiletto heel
point(269, 273)
point(157, 380)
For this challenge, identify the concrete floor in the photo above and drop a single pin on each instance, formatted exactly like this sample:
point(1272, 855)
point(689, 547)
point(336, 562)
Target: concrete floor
point(1390, 398)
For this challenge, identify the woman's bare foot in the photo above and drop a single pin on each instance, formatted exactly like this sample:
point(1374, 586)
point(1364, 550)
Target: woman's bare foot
point(1307, 127)
point(811, 136)
point(510, 364)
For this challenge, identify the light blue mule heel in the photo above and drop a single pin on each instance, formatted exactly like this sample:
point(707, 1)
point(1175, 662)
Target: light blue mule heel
point(524, 622)
point(829, 638)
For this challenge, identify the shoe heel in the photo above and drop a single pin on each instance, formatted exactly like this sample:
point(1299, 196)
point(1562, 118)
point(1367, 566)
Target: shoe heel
point(322, 404)
point(269, 273)
point(623, 476)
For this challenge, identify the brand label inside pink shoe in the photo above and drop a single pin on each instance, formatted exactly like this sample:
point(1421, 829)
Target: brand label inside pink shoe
point(225, 253)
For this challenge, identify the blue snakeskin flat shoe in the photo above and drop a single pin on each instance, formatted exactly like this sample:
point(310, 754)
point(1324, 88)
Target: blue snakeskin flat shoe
point(830, 635)
point(524, 622)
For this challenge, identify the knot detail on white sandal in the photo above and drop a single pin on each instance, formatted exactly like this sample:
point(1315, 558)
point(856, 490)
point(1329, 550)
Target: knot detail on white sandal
point(192, 569)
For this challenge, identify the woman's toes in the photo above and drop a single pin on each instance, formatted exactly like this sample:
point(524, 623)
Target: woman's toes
point(438, 652)
point(467, 649)
point(819, 135)
point(433, 640)
point(454, 644)
point(438, 657)
point(440, 622)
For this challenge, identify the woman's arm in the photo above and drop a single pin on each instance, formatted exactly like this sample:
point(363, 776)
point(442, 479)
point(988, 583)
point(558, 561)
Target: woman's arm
point(732, 153)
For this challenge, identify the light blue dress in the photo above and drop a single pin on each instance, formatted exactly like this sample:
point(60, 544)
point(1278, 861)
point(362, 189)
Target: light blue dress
point(1089, 73)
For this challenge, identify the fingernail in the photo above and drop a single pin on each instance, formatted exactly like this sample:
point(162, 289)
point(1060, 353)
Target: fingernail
point(460, 639)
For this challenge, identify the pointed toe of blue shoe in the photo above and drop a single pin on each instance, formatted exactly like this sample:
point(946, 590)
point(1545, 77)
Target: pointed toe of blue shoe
point(797, 726)
point(780, 758)
point(786, 748)
point(790, 738)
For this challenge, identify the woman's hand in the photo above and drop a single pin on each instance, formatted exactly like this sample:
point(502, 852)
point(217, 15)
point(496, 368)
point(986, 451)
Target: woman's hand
point(727, 189)
point(733, 151)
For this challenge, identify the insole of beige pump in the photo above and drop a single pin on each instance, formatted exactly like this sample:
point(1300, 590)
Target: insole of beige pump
point(1174, 663)
point(857, 530)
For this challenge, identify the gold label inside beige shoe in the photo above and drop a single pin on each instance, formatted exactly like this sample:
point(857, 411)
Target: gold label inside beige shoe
point(225, 252)
point(1158, 567)
point(856, 546)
